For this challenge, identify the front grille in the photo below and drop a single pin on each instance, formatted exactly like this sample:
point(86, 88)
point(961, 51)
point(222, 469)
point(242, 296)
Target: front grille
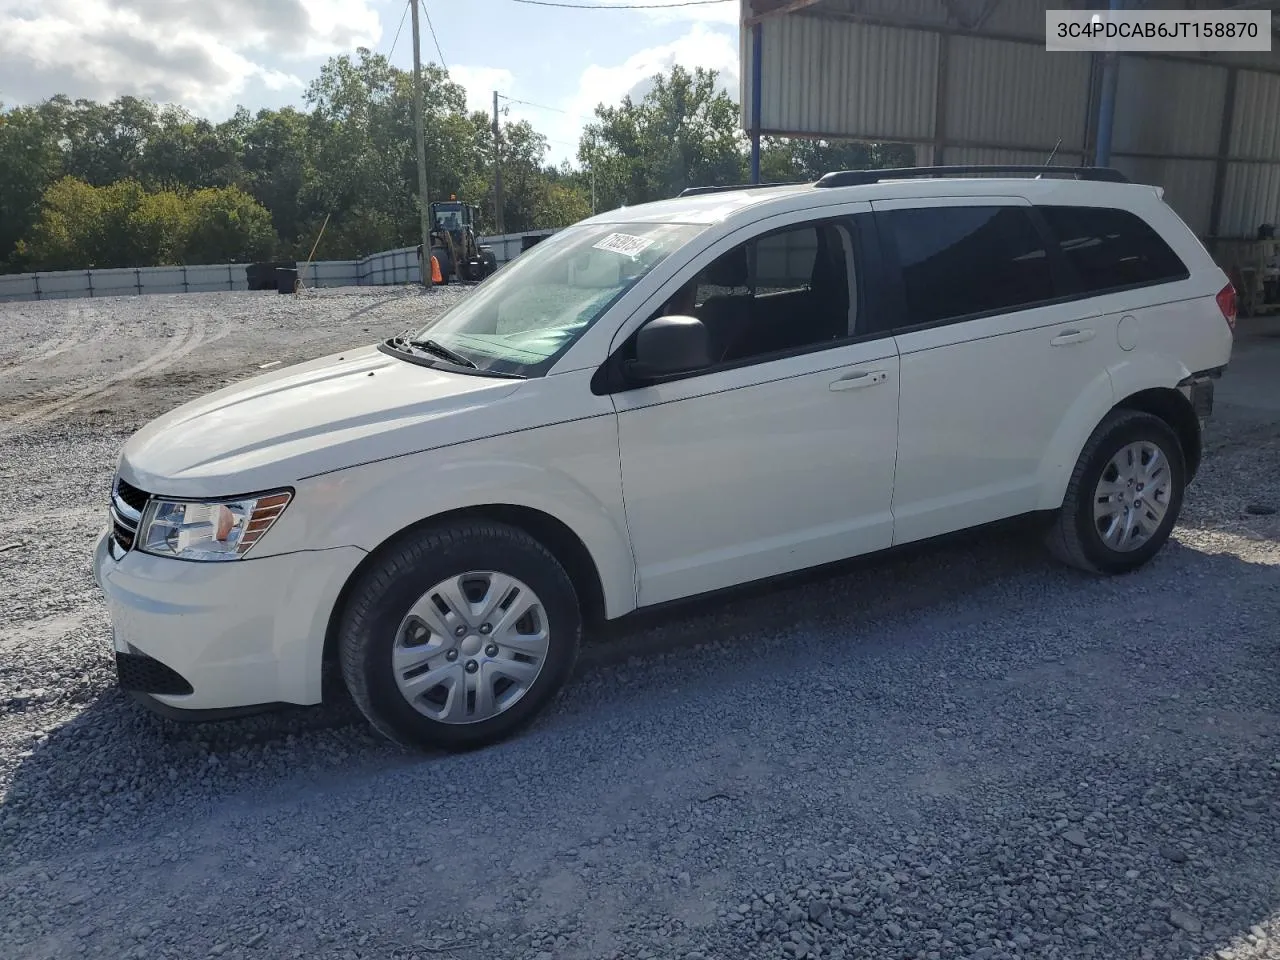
point(131, 495)
point(127, 504)
point(137, 671)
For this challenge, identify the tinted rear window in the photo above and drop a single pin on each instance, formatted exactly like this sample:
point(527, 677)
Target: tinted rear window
point(1112, 249)
point(960, 261)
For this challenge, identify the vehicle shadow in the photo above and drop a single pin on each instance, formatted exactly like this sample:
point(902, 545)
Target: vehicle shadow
point(964, 694)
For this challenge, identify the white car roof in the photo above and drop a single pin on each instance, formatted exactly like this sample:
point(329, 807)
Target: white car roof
point(751, 204)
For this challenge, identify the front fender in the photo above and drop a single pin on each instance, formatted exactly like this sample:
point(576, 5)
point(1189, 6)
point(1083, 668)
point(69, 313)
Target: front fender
point(569, 471)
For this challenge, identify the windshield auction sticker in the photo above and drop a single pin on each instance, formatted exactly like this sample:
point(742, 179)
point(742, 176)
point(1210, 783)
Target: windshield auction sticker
point(623, 243)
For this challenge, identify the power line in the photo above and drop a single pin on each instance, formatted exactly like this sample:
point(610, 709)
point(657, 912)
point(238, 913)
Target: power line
point(543, 106)
point(620, 6)
point(433, 35)
point(530, 103)
point(403, 13)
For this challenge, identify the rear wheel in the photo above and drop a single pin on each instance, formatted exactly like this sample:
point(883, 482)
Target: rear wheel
point(459, 636)
point(1124, 496)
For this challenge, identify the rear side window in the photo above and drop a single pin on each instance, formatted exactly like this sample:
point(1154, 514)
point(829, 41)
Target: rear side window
point(1112, 249)
point(961, 261)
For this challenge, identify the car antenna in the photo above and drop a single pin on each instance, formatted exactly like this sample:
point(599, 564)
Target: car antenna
point(1052, 153)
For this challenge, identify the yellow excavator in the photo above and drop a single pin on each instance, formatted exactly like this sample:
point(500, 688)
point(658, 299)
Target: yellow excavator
point(453, 243)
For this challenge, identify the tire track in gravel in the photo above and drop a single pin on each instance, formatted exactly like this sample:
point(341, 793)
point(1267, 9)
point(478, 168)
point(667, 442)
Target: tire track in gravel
point(191, 336)
point(45, 350)
point(61, 343)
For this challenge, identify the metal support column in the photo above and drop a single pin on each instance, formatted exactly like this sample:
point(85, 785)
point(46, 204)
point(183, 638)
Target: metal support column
point(1224, 151)
point(940, 103)
point(1107, 102)
point(757, 42)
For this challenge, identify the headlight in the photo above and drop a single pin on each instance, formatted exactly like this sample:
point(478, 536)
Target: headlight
point(208, 530)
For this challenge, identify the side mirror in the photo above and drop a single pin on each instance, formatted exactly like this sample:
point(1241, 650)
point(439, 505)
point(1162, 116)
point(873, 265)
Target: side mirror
point(667, 346)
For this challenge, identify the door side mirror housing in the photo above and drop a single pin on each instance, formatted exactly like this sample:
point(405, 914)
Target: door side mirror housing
point(668, 347)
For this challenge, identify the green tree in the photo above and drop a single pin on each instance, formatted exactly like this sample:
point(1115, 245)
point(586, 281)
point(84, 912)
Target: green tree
point(682, 133)
point(275, 165)
point(122, 225)
point(226, 225)
point(786, 159)
point(29, 161)
point(363, 168)
point(82, 226)
point(160, 226)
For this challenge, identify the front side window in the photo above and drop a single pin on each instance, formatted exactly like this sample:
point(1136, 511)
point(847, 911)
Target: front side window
point(523, 318)
point(787, 290)
point(1112, 249)
point(963, 261)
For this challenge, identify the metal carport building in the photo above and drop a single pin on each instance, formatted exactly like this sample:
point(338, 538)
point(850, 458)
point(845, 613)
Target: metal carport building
point(970, 82)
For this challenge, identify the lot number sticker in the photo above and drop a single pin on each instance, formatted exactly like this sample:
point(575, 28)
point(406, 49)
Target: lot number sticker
point(623, 243)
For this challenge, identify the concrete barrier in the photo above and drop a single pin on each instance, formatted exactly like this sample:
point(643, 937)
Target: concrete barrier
point(330, 273)
point(386, 268)
point(18, 286)
point(162, 279)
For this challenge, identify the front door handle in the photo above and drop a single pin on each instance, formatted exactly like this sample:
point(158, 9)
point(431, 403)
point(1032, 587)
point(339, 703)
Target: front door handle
point(1067, 337)
point(859, 379)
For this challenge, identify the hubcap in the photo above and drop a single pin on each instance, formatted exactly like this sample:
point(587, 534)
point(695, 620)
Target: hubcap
point(470, 647)
point(1132, 496)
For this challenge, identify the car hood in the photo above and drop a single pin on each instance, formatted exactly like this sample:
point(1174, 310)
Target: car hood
point(323, 415)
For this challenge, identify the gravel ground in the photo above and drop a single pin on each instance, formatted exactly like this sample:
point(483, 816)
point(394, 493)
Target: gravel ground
point(965, 751)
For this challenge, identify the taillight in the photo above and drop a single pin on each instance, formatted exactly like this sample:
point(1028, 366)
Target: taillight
point(1227, 304)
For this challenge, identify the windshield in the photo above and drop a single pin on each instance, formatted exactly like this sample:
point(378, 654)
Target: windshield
point(525, 316)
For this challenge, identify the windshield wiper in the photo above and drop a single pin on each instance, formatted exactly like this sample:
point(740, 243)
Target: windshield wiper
point(415, 349)
point(442, 351)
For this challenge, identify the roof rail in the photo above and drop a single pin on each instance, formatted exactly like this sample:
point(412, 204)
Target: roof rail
point(853, 178)
point(699, 191)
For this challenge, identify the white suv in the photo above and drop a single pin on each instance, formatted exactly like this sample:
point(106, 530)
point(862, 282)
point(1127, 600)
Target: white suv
point(658, 402)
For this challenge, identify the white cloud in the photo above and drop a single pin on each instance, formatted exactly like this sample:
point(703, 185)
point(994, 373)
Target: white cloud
point(480, 82)
point(199, 53)
point(702, 46)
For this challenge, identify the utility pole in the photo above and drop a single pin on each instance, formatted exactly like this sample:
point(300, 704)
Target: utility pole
point(422, 148)
point(593, 174)
point(497, 169)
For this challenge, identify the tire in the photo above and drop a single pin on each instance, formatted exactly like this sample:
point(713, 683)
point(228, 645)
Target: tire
point(1077, 536)
point(463, 555)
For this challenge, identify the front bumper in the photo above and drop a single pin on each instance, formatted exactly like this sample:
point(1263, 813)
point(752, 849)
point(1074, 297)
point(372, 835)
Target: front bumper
point(236, 635)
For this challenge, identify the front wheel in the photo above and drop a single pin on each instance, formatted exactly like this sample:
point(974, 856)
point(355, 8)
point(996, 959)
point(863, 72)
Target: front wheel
point(1124, 496)
point(458, 636)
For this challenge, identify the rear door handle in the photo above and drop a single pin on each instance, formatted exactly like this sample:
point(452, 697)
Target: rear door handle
point(859, 379)
point(1067, 337)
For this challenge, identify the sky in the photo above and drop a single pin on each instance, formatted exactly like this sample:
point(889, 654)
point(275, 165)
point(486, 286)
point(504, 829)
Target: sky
point(210, 55)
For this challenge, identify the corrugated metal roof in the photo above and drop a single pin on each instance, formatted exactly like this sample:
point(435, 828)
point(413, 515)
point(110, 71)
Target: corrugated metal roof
point(1013, 17)
point(1255, 133)
point(1251, 196)
point(822, 77)
point(1167, 107)
point(1010, 93)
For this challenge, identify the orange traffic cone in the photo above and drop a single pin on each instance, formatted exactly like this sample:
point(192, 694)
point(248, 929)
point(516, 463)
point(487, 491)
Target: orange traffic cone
point(436, 276)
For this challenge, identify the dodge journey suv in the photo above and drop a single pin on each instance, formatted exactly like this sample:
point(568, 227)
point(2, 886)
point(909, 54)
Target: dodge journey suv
point(658, 402)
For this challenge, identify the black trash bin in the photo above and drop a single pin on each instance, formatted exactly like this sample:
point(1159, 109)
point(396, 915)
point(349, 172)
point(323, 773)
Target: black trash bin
point(262, 274)
point(286, 279)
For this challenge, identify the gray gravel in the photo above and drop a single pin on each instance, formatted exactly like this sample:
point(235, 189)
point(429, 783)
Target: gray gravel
point(965, 751)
